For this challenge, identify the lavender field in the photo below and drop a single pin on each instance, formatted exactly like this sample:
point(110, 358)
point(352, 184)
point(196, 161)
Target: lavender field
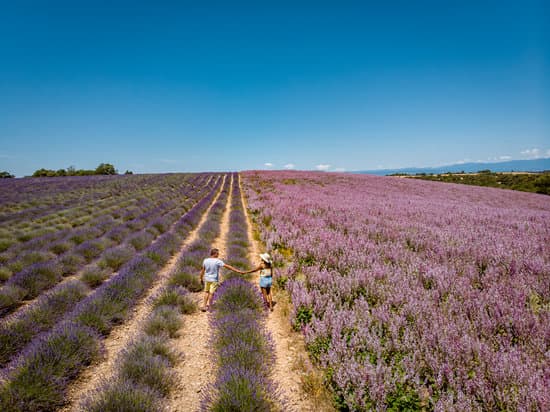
point(77, 254)
point(84, 259)
point(410, 295)
point(414, 295)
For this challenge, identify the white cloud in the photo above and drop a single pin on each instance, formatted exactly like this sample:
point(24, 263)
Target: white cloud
point(339, 169)
point(268, 164)
point(322, 167)
point(531, 153)
point(505, 157)
point(548, 153)
point(290, 166)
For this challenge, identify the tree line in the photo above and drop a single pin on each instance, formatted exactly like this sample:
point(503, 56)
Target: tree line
point(526, 182)
point(101, 169)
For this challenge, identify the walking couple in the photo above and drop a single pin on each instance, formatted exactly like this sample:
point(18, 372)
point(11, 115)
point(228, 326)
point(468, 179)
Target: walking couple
point(210, 274)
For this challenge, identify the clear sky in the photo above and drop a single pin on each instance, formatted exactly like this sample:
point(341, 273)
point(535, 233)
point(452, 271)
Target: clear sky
point(166, 86)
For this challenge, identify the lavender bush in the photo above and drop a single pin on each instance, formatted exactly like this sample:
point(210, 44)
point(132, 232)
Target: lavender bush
point(41, 316)
point(238, 242)
point(164, 319)
point(37, 382)
point(175, 296)
point(143, 376)
point(94, 276)
point(116, 257)
point(242, 351)
point(123, 396)
point(36, 278)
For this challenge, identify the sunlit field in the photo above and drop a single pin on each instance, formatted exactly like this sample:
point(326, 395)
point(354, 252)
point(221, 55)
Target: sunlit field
point(414, 294)
point(409, 294)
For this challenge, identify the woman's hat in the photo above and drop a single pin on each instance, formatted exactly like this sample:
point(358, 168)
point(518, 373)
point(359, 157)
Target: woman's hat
point(266, 258)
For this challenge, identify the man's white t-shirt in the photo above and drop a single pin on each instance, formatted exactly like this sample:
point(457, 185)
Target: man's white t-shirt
point(212, 269)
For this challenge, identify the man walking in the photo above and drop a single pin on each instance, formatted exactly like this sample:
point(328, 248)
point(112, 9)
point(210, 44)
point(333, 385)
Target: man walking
point(210, 274)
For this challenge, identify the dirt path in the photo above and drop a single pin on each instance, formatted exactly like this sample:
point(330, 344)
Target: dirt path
point(196, 370)
point(291, 358)
point(121, 335)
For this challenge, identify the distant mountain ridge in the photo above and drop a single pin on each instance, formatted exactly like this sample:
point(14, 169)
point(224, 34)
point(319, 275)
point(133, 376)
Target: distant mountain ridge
point(534, 165)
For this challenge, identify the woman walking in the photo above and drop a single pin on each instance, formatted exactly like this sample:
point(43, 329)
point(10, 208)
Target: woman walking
point(266, 278)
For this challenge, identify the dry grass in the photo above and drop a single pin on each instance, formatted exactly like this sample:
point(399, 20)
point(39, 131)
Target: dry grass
point(312, 380)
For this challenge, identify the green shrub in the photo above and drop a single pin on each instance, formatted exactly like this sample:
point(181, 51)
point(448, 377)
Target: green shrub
point(38, 382)
point(71, 262)
point(10, 297)
point(303, 317)
point(37, 278)
point(5, 274)
point(176, 296)
point(123, 396)
point(187, 280)
point(5, 244)
point(148, 363)
point(94, 276)
point(60, 247)
point(164, 319)
point(115, 258)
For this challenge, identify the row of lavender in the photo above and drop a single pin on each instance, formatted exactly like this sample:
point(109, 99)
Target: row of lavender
point(52, 234)
point(144, 376)
point(414, 294)
point(109, 241)
point(38, 378)
point(242, 347)
point(56, 207)
point(45, 312)
point(23, 199)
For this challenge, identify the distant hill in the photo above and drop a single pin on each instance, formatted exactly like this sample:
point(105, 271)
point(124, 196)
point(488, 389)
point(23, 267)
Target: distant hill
point(535, 165)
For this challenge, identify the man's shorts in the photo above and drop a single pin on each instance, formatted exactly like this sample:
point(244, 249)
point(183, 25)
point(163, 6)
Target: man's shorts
point(210, 286)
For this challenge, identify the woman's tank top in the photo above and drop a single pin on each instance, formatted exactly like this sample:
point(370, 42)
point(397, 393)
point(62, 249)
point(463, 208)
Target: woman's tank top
point(264, 273)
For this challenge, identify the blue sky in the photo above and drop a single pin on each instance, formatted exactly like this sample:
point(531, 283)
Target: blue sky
point(193, 86)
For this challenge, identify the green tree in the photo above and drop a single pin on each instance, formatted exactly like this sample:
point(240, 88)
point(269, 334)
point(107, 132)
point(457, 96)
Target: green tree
point(43, 173)
point(542, 184)
point(105, 169)
point(6, 175)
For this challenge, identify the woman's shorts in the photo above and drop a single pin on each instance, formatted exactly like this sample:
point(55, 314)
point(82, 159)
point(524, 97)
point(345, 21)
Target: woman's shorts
point(265, 281)
point(210, 286)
